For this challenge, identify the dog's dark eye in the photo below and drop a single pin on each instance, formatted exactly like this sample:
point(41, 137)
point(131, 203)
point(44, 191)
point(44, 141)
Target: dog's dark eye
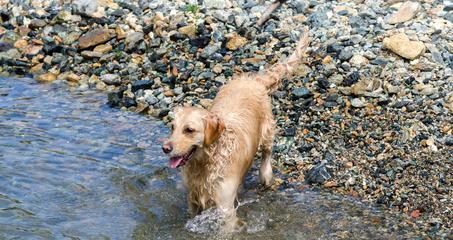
point(189, 130)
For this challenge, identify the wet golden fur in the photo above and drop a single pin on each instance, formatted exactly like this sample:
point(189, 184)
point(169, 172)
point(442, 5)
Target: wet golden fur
point(228, 135)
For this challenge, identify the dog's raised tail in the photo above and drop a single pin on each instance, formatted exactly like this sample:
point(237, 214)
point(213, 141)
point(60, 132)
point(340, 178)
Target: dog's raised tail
point(272, 76)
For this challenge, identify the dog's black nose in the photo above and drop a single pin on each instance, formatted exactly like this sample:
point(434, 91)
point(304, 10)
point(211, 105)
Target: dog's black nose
point(167, 147)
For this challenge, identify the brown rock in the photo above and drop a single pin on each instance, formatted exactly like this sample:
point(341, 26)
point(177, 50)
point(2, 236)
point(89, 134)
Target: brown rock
point(72, 77)
point(189, 30)
point(37, 68)
point(2, 30)
point(48, 60)
point(23, 30)
point(169, 93)
point(402, 46)
point(348, 164)
point(425, 89)
point(94, 37)
point(103, 48)
point(235, 42)
point(46, 77)
point(415, 214)
point(327, 59)
point(405, 13)
point(300, 18)
point(120, 33)
point(31, 49)
point(252, 60)
point(21, 43)
point(91, 54)
point(330, 184)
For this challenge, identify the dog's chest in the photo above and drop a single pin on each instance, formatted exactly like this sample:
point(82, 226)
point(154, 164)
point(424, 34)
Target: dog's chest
point(201, 184)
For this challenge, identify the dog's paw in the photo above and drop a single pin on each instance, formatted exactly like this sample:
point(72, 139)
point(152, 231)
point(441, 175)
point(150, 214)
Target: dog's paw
point(266, 177)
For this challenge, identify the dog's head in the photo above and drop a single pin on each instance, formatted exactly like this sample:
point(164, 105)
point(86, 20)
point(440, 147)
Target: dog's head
point(192, 130)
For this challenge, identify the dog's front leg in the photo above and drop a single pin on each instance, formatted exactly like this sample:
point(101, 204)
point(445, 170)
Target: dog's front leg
point(225, 197)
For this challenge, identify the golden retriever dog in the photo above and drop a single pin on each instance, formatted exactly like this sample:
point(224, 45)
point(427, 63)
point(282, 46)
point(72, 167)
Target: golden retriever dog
point(216, 147)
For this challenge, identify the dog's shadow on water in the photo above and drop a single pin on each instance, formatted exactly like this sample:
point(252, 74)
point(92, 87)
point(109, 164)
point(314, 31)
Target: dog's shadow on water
point(160, 200)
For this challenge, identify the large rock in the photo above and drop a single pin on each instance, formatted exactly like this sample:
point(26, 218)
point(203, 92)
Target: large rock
point(402, 46)
point(405, 13)
point(94, 37)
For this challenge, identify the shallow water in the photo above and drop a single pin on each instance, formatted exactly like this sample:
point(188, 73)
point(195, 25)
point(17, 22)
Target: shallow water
point(73, 168)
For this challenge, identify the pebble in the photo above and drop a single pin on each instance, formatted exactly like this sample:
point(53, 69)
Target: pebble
point(141, 84)
point(111, 79)
point(357, 103)
point(301, 93)
point(405, 13)
point(401, 45)
point(103, 48)
point(346, 54)
point(217, 4)
point(47, 77)
point(91, 54)
point(235, 42)
point(358, 61)
point(133, 38)
point(94, 37)
point(318, 174)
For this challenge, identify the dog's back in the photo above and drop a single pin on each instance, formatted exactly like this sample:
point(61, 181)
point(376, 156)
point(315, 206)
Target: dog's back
point(245, 107)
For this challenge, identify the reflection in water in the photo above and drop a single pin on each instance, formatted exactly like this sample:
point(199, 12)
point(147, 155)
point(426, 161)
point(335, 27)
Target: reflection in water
point(72, 168)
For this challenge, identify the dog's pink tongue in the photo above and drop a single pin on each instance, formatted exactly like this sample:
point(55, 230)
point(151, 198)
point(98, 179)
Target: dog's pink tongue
point(174, 162)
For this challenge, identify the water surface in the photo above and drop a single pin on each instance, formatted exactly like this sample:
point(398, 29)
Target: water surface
point(73, 168)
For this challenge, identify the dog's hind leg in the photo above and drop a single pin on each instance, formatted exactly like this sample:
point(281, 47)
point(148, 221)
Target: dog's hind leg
point(266, 143)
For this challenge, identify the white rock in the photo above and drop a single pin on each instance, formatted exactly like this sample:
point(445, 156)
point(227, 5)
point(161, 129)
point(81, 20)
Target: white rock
point(356, 102)
point(217, 4)
point(358, 60)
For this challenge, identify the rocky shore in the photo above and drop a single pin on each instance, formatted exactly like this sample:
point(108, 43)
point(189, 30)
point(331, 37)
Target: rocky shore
point(368, 113)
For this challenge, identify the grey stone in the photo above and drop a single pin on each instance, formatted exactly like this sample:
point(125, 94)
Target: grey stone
point(301, 93)
point(318, 174)
point(133, 38)
point(210, 50)
point(346, 54)
point(111, 79)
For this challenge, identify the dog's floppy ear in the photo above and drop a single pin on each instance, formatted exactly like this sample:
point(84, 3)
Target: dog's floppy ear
point(213, 127)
